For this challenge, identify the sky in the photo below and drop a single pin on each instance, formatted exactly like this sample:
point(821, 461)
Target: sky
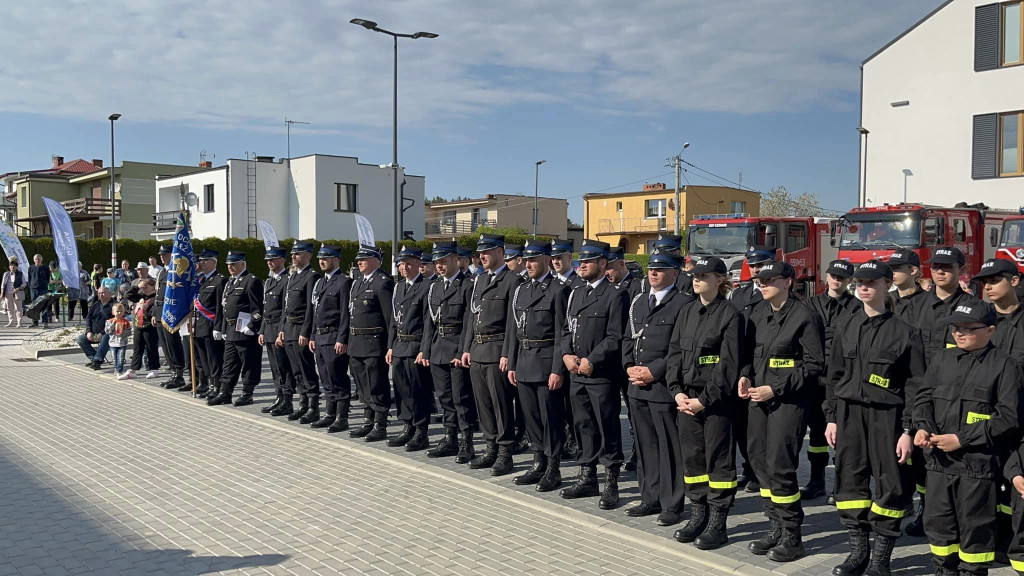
point(603, 90)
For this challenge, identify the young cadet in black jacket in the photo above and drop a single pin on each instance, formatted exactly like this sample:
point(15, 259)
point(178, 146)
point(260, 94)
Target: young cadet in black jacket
point(874, 369)
point(704, 364)
point(785, 342)
point(297, 331)
point(209, 324)
point(370, 315)
point(441, 351)
point(485, 351)
point(535, 366)
point(270, 330)
point(906, 271)
point(592, 352)
point(413, 391)
point(329, 344)
point(968, 409)
point(243, 356)
point(832, 306)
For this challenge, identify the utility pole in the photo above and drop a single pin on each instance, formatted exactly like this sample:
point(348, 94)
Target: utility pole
point(676, 162)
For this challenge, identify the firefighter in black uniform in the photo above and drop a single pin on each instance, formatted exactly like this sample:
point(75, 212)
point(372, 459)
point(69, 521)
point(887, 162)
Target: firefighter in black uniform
point(170, 342)
point(561, 265)
point(874, 370)
point(619, 275)
point(785, 346)
point(673, 244)
point(967, 410)
point(370, 322)
point(514, 262)
point(297, 331)
point(330, 342)
point(441, 351)
point(208, 327)
point(833, 306)
point(651, 317)
point(270, 331)
point(243, 315)
point(485, 351)
point(704, 362)
point(413, 393)
point(535, 364)
point(592, 352)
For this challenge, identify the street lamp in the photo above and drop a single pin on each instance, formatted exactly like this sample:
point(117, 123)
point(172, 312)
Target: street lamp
point(906, 173)
point(113, 203)
point(370, 25)
point(536, 183)
point(677, 160)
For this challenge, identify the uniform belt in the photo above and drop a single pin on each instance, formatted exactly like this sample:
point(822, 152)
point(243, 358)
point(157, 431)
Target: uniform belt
point(296, 319)
point(272, 319)
point(375, 330)
point(531, 344)
point(409, 337)
point(484, 338)
point(446, 330)
point(325, 329)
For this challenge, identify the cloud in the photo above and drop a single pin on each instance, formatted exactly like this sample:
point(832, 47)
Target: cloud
point(234, 64)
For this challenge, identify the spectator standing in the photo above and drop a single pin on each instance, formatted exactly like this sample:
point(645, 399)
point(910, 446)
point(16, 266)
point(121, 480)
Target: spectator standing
point(56, 286)
point(110, 282)
point(96, 279)
point(12, 291)
point(117, 329)
point(144, 335)
point(39, 282)
point(80, 295)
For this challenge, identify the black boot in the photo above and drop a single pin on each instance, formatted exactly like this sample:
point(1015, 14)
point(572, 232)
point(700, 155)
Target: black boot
point(203, 390)
point(857, 561)
point(380, 429)
point(585, 485)
point(535, 473)
point(419, 440)
point(303, 408)
point(173, 381)
point(403, 437)
point(815, 487)
point(285, 407)
point(552, 476)
point(329, 417)
point(881, 554)
point(448, 446)
point(697, 524)
point(466, 450)
point(610, 496)
point(790, 547)
point(223, 397)
point(244, 400)
point(186, 386)
point(831, 500)
point(570, 450)
point(946, 565)
point(644, 509)
point(770, 540)
point(340, 423)
point(916, 526)
point(366, 428)
point(313, 414)
point(487, 459)
point(503, 463)
point(714, 536)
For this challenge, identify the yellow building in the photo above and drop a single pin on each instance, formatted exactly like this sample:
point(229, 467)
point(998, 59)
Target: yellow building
point(633, 220)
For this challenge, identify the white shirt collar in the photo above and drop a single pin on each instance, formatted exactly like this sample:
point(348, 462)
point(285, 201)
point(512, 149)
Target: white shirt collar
point(413, 281)
point(542, 278)
point(330, 275)
point(498, 271)
point(660, 294)
point(596, 283)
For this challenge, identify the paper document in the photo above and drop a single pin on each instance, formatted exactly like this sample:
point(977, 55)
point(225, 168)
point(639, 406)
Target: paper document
point(243, 320)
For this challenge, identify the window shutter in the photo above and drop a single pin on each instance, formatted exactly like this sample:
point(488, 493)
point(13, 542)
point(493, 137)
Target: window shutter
point(986, 142)
point(986, 37)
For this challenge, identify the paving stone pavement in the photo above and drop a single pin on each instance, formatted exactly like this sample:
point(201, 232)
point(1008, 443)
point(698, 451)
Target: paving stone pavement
point(108, 477)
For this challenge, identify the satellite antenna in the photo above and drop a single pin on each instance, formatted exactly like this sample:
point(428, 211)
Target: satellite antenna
point(192, 199)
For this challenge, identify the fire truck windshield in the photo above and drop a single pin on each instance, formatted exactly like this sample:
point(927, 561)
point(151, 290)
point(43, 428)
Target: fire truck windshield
point(874, 231)
point(721, 238)
point(1013, 233)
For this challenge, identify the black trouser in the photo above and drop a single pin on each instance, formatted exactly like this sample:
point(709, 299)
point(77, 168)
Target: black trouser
point(543, 416)
point(817, 446)
point(333, 368)
point(866, 438)
point(455, 395)
point(918, 472)
point(170, 343)
point(211, 357)
point(284, 380)
point(740, 409)
point(245, 358)
point(569, 419)
point(1012, 531)
point(71, 308)
point(775, 432)
point(595, 412)
point(624, 388)
point(413, 394)
point(145, 340)
point(518, 418)
point(960, 519)
point(709, 455)
point(371, 376)
point(303, 368)
point(186, 354)
point(45, 315)
point(659, 455)
point(493, 395)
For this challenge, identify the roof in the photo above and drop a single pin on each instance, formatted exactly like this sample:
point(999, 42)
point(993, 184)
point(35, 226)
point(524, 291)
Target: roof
point(76, 167)
point(682, 190)
point(194, 172)
point(489, 199)
point(907, 31)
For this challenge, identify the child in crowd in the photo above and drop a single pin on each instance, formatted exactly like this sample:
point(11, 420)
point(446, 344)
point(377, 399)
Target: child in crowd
point(118, 328)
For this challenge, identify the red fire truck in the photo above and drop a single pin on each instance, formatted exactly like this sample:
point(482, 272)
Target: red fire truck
point(803, 242)
point(1011, 241)
point(877, 231)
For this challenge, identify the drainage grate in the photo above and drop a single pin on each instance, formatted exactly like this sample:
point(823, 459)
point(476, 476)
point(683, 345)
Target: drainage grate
point(25, 359)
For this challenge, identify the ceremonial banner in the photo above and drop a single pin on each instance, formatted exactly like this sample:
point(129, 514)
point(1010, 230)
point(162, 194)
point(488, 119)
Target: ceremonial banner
point(63, 242)
point(365, 231)
point(13, 248)
point(269, 234)
point(182, 279)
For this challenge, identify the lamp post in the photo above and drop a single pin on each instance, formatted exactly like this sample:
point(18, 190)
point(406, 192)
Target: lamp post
point(906, 174)
point(113, 203)
point(536, 185)
point(676, 161)
point(370, 25)
point(289, 124)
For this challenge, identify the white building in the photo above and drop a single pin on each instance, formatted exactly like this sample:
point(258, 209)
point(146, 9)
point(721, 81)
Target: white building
point(941, 109)
point(308, 197)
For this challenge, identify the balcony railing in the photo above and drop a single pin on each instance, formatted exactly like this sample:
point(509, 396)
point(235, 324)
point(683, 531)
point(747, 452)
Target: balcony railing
point(86, 208)
point(626, 225)
point(457, 228)
point(165, 221)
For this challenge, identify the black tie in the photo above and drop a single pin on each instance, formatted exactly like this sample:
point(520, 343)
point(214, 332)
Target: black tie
point(652, 301)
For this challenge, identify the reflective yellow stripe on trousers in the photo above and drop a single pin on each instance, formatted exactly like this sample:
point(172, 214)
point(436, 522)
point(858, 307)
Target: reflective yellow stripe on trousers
point(977, 557)
point(852, 504)
point(944, 550)
point(696, 479)
point(887, 511)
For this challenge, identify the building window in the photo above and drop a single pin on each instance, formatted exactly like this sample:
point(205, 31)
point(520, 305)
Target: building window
point(618, 206)
point(208, 198)
point(1012, 40)
point(474, 219)
point(345, 197)
point(1010, 144)
point(24, 197)
point(655, 208)
point(448, 218)
point(738, 207)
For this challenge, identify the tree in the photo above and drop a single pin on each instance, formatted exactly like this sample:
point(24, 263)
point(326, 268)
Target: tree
point(778, 203)
point(571, 225)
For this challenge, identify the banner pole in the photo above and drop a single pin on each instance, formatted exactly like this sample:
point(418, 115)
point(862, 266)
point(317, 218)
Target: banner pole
point(192, 348)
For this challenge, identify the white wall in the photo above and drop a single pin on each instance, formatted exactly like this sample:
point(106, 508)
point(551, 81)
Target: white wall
point(204, 224)
point(933, 68)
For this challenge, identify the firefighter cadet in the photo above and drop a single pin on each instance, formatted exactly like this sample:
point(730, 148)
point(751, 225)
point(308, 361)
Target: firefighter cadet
point(906, 271)
point(243, 315)
point(413, 394)
point(535, 364)
point(645, 356)
point(591, 350)
point(297, 330)
point(330, 342)
point(968, 408)
point(209, 321)
point(170, 342)
point(485, 352)
point(270, 330)
point(370, 322)
point(441, 350)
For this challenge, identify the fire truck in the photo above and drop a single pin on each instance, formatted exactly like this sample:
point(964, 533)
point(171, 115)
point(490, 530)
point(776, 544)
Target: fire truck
point(803, 242)
point(875, 232)
point(1011, 241)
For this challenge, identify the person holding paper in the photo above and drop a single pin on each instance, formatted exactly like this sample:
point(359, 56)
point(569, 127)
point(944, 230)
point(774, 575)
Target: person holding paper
point(243, 315)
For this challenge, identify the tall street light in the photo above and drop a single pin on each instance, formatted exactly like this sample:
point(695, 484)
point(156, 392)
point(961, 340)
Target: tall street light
point(396, 233)
point(906, 174)
point(536, 185)
point(113, 203)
